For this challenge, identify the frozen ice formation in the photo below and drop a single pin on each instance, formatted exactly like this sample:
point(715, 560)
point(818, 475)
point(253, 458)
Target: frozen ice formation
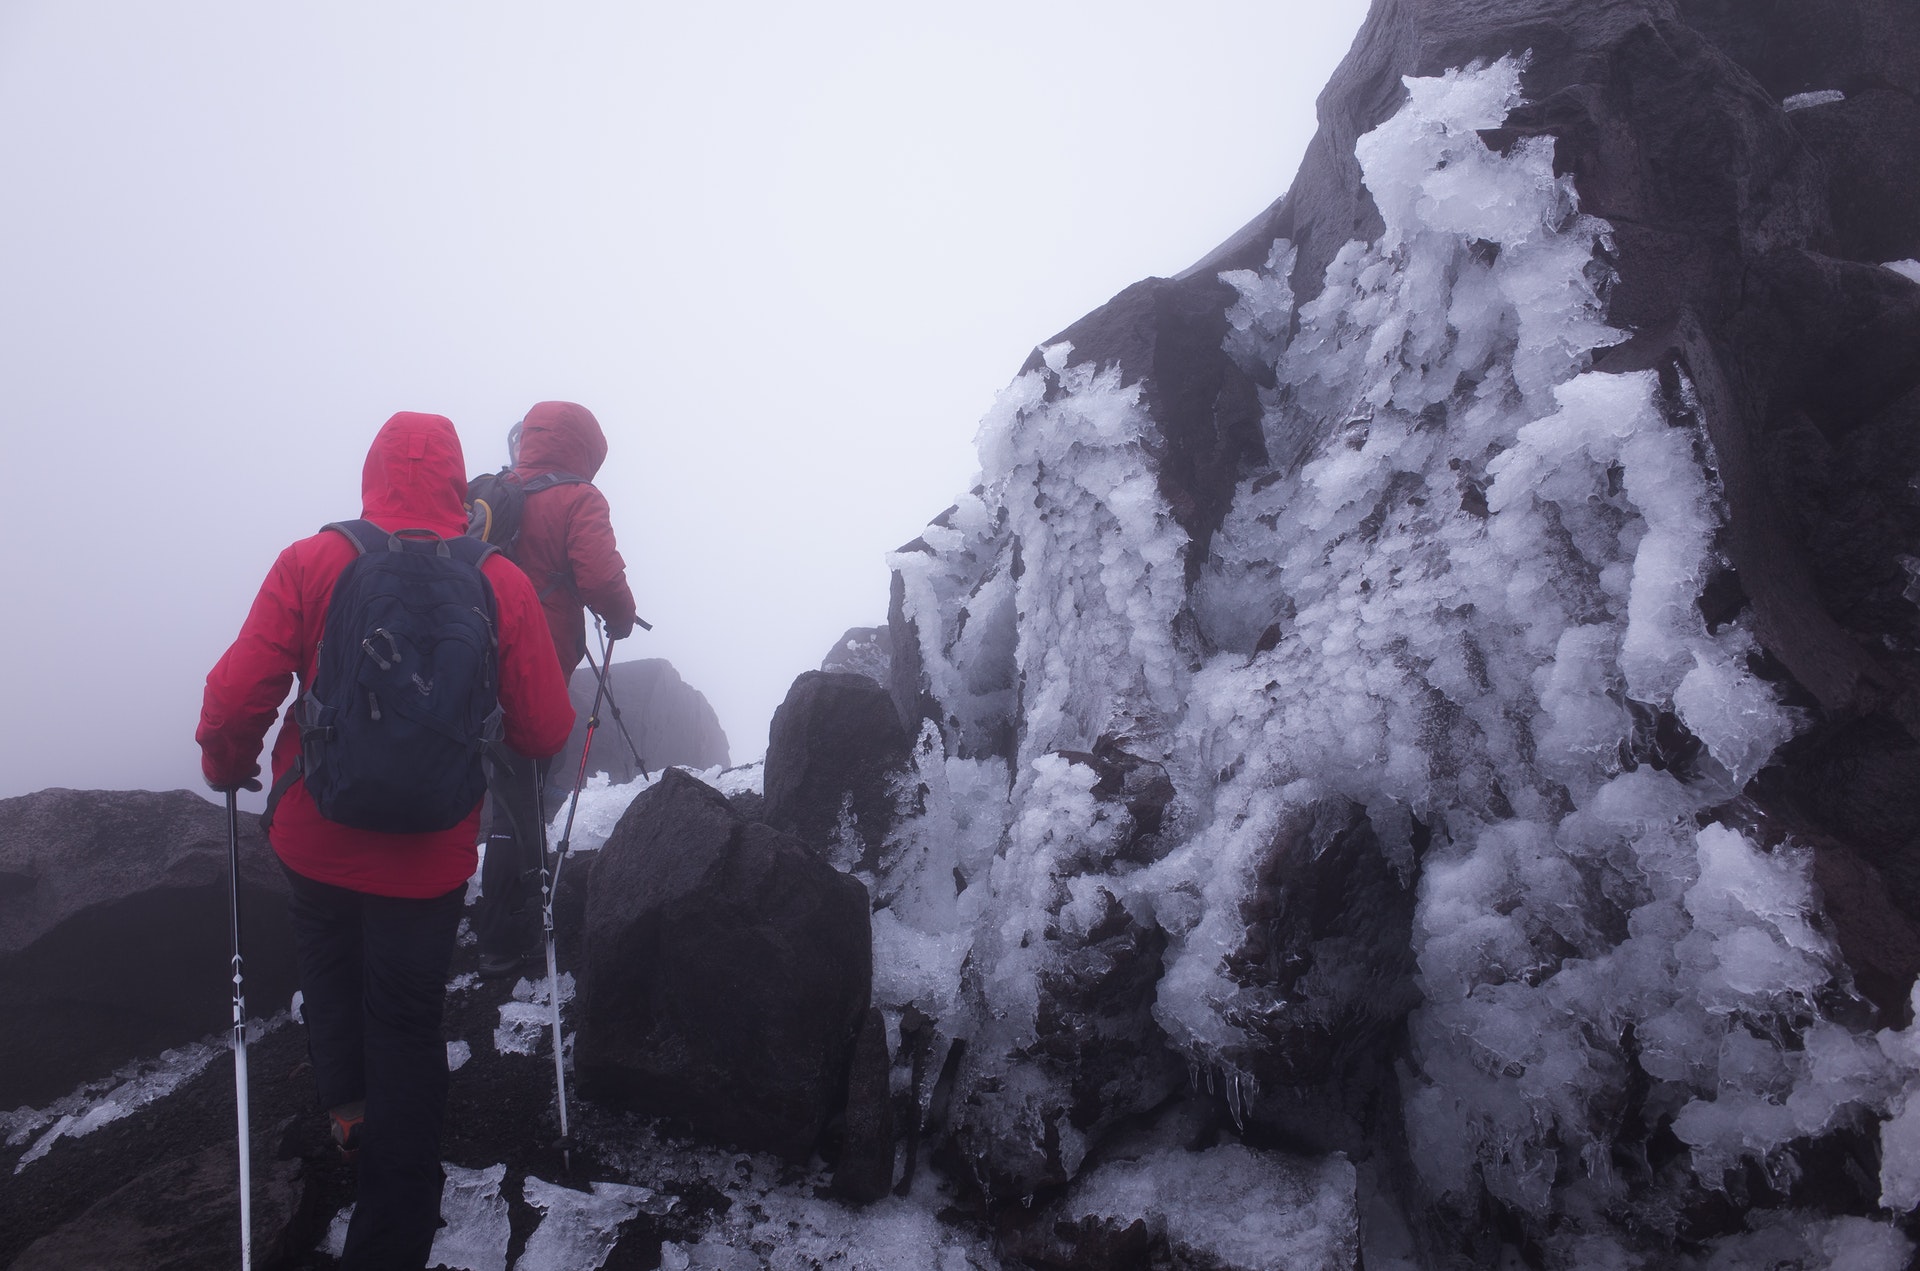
point(1820, 97)
point(476, 1230)
point(1229, 1206)
point(1450, 627)
point(528, 1016)
point(99, 1103)
point(475, 1222)
point(577, 1229)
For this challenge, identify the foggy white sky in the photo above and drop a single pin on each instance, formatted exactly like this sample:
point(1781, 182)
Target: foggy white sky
point(787, 254)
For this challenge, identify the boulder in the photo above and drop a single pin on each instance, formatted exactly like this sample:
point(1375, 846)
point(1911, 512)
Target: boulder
point(833, 753)
point(726, 970)
point(670, 721)
point(864, 651)
point(181, 1216)
point(114, 932)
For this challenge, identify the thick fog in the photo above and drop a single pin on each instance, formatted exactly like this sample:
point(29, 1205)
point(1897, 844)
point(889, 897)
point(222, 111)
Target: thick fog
point(788, 255)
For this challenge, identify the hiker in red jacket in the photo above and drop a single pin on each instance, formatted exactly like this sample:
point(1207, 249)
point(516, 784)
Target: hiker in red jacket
point(566, 546)
point(374, 914)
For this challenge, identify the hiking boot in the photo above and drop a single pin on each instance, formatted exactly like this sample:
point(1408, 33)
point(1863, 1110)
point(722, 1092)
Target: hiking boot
point(345, 1122)
point(498, 966)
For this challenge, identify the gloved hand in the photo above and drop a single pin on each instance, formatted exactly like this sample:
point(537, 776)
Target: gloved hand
point(618, 628)
point(228, 785)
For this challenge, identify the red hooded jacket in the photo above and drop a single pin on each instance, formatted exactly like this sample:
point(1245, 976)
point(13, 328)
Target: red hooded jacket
point(566, 533)
point(414, 478)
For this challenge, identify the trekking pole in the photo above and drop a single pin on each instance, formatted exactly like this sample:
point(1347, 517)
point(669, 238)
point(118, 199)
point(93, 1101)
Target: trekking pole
point(549, 885)
point(603, 670)
point(549, 882)
point(239, 1029)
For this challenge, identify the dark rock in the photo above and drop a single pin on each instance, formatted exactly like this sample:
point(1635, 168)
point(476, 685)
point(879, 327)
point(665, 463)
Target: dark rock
point(1170, 334)
point(725, 973)
point(1139, 787)
point(864, 651)
point(833, 753)
point(181, 1216)
point(1327, 975)
point(865, 1169)
point(114, 933)
point(670, 722)
point(1024, 1113)
point(906, 672)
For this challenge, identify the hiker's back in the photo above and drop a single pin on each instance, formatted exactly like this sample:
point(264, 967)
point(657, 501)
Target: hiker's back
point(566, 542)
point(406, 691)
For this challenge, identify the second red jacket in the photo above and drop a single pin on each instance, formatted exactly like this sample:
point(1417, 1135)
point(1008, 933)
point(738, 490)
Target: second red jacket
point(566, 533)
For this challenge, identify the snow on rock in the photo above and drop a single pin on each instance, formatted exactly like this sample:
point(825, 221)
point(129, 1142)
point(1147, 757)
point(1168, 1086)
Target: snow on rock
point(577, 1229)
point(786, 1231)
point(1821, 97)
point(98, 1103)
point(603, 803)
point(1230, 1207)
point(132, 1087)
point(529, 1016)
point(1906, 268)
point(458, 1053)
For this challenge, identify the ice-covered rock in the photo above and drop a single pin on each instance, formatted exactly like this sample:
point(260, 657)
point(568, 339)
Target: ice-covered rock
point(864, 651)
point(834, 751)
point(1500, 550)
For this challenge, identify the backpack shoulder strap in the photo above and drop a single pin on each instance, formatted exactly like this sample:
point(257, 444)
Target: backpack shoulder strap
point(364, 535)
point(548, 480)
point(471, 550)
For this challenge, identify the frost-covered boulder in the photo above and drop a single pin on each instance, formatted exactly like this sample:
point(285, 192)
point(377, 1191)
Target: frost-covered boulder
point(671, 724)
point(834, 751)
point(1167, 1197)
point(114, 932)
point(1506, 548)
point(864, 651)
point(725, 971)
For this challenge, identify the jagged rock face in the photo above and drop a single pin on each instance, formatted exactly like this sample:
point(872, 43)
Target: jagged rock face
point(834, 751)
point(114, 932)
point(725, 973)
point(669, 721)
point(1505, 549)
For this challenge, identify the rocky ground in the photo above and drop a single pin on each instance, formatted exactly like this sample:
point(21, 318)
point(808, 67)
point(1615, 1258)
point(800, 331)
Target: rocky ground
point(500, 1113)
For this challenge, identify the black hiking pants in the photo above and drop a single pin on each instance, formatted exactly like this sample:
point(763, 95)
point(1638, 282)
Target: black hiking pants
point(373, 977)
point(507, 916)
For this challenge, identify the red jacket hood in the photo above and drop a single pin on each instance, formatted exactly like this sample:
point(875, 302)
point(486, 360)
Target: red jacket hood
point(560, 437)
point(415, 476)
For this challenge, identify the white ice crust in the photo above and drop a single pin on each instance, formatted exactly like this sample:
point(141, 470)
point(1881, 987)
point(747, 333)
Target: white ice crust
point(1480, 558)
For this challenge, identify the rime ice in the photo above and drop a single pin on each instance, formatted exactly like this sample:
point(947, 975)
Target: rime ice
point(1479, 561)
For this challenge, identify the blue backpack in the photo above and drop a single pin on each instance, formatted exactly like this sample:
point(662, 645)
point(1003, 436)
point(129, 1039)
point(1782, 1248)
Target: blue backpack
point(406, 696)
